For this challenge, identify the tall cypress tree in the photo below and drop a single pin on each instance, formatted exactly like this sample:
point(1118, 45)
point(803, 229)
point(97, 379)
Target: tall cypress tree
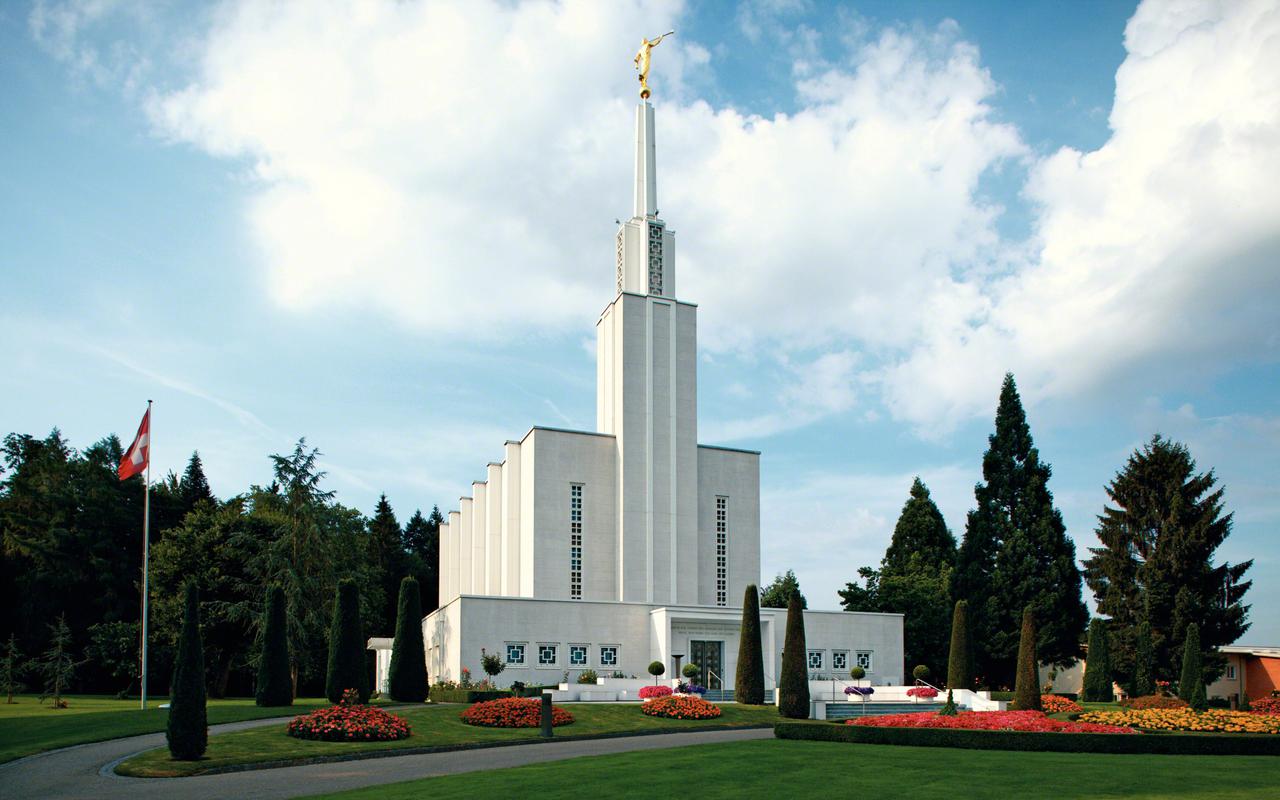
point(1026, 690)
point(794, 683)
point(1191, 684)
point(1016, 552)
point(346, 646)
point(748, 682)
point(1144, 667)
point(188, 727)
point(960, 657)
point(275, 683)
point(407, 676)
point(1097, 671)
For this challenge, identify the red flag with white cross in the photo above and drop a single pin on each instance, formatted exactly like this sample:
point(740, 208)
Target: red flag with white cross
point(135, 458)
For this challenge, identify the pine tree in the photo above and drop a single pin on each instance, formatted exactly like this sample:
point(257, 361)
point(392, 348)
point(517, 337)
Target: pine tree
point(275, 683)
point(960, 657)
point(748, 681)
point(422, 539)
point(920, 534)
point(1026, 691)
point(188, 729)
point(346, 646)
point(1159, 535)
point(1097, 672)
point(1191, 684)
point(1144, 675)
point(1016, 552)
point(779, 593)
point(11, 668)
point(194, 486)
point(407, 676)
point(56, 666)
point(387, 556)
point(794, 683)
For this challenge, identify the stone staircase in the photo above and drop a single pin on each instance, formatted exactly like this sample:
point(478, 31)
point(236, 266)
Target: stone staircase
point(873, 708)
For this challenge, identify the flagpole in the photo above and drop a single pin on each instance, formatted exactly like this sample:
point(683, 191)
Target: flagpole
point(146, 554)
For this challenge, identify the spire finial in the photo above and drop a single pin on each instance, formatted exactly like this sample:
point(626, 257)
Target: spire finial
point(642, 61)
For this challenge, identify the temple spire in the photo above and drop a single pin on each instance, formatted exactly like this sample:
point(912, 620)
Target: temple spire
point(646, 199)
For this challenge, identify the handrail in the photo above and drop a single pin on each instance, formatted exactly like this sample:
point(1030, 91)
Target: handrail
point(711, 674)
point(930, 685)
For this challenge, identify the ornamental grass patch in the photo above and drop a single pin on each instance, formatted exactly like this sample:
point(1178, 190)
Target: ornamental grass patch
point(514, 712)
point(681, 707)
point(1185, 719)
point(1025, 721)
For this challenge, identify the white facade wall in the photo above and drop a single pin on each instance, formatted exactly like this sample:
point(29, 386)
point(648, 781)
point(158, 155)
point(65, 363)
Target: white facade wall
point(849, 632)
point(735, 476)
point(511, 520)
point(466, 549)
point(479, 559)
point(493, 529)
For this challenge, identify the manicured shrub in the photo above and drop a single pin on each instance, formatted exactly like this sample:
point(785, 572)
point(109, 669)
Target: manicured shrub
point(857, 673)
point(493, 666)
point(681, 707)
point(989, 721)
point(794, 684)
point(275, 682)
point(514, 712)
point(346, 646)
point(960, 657)
point(748, 683)
point(1026, 689)
point(949, 708)
point(1153, 701)
point(691, 670)
point(188, 729)
point(920, 673)
point(1057, 704)
point(407, 675)
point(349, 722)
point(1191, 683)
point(1144, 663)
point(588, 676)
point(651, 692)
point(1097, 670)
point(656, 668)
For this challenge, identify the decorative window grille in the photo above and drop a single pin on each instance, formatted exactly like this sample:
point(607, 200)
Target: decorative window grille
point(863, 659)
point(577, 655)
point(547, 655)
point(840, 660)
point(515, 653)
point(815, 660)
point(655, 259)
point(608, 655)
point(575, 541)
point(722, 551)
point(620, 240)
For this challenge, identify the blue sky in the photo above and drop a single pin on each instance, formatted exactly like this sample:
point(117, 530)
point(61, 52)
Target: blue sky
point(389, 229)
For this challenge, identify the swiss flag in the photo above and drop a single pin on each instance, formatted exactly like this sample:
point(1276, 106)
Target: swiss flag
point(135, 458)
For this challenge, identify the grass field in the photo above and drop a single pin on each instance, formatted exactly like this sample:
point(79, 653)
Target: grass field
point(432, 726)
point(28, 727)
point(772, 769)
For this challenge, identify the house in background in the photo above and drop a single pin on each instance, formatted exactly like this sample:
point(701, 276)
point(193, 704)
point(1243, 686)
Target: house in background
point(1251, 671)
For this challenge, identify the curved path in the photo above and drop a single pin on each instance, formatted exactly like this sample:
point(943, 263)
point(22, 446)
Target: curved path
point(84, 771)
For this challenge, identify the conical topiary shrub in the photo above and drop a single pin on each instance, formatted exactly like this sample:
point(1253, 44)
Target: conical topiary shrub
point(794, 683)
point(959, 660)
point(1144, 663)
point(748, 681)
point(1097, 669)
point(407, 676)
point(1191, 683)
point(1026, 690)
point(275, 683)
point(188, 728)
point(346, 646)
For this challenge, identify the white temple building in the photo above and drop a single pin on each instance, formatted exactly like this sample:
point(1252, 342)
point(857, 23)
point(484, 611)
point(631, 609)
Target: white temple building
point(609, 549)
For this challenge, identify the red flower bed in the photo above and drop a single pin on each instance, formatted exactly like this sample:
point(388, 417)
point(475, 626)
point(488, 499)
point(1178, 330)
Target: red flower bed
point(925, 692)
point(681, 707)
point(1265, 705)
point(514, 712)
point(1031, 721)
point(349, 723)
point(648, 692)
point(1153, 701)
point(1057, 704)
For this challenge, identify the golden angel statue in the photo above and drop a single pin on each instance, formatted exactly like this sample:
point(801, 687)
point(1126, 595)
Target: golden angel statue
point(642, 61)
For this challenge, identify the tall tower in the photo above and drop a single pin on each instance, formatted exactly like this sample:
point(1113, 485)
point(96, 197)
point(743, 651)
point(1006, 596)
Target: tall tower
point(646, 396)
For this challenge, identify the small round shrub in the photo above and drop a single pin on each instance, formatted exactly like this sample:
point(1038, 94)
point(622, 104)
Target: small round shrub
point(857, 673)
point(513, 712)
point(920, 673)
point(650, 692)
point(691, 670)
point(681, 707)
point(656, 668)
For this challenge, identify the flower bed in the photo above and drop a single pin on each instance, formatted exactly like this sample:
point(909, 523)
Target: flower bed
point(1153, 701)
point(1027, 721)
point(861, 691)
point(651, 692)
point(1057, 704)
point(681, 707)
point(1266, 705)
point(1185, 719)
point(349, 723)
point(923, 692)
point(514, 712)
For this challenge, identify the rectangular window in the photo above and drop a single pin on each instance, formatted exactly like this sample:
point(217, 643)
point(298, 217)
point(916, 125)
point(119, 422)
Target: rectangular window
point(863, 659)
point(1231, 673)
point(575, 541)
point(577, 655)
point(547, 654)
point(722, 551)
point(515, 654)
point(840, 660)
point(608, 655)
point(815, 660)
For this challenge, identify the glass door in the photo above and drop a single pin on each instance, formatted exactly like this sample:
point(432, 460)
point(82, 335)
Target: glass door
point(709, 656)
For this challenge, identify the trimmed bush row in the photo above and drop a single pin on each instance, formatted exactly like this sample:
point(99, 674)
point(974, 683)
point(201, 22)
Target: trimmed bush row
point(1162, 744)
point(467, 695)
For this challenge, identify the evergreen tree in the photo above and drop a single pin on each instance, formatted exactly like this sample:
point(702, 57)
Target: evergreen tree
point(57, 667)
point(194, 487)
point(1191, 684)
point(188, 729)
point(275, 685)
point(794, 683)
point(346, 646)
point(920, 533)
point(749, 679)
point(779, 593)
point(422, 541)
point(1026, 690)
point(1016, 552)
point(407, 677)
point(11, 668)
point(388, 558)
point(1097, 672)
point(1144, 668)
point(1159, 535)
point(959, 657)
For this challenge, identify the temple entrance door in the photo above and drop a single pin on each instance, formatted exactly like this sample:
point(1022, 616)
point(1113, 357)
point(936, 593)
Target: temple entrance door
point(709, 656)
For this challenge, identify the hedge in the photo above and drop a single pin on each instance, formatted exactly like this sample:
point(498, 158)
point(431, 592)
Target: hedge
point(439, 695)
point(1143, 743)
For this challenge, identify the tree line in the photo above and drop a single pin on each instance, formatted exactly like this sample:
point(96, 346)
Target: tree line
point(72, 551)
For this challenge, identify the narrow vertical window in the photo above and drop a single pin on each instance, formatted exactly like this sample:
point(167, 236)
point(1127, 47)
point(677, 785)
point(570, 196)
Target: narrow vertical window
point(575, 541)
point(722, 551)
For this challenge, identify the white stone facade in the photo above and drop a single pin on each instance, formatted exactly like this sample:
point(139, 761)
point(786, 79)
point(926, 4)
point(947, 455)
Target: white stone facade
point(607, 550)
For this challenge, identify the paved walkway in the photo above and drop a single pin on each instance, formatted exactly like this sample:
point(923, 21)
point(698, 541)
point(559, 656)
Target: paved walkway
point(82, 771)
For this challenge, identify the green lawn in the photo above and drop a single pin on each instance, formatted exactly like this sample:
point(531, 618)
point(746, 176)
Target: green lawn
point(769, 769)
point(432, 726)
point(28, 727)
